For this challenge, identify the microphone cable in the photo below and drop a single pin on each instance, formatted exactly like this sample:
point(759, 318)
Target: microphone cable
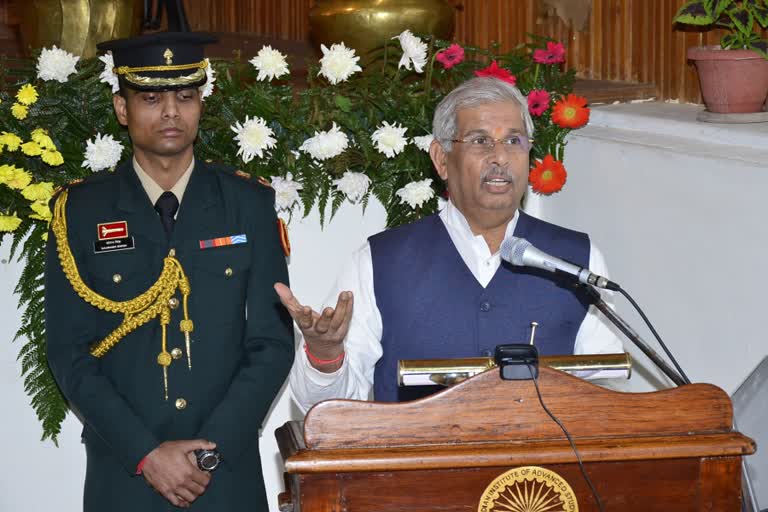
point(595, 495)
point(637, 307)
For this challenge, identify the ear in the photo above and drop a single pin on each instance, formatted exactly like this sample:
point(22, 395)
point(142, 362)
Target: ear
point(439, 159)
point(121, 109)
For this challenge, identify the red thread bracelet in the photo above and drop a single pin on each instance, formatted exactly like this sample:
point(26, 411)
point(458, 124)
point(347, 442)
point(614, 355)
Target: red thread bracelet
point(319, 361)
point(140, 466)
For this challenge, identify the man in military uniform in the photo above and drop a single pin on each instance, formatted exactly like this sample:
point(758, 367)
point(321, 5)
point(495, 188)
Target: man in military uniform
point(163, 329)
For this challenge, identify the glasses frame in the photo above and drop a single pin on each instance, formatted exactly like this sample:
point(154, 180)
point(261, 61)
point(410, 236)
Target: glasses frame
point(492, 146)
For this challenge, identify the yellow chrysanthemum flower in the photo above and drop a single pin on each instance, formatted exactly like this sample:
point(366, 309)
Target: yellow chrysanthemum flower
point(42, 211)
point(52, 157)
point(27, 95)
point(38, 192)
point(44, 236)
point(19, 111)
point(40, 136)
point(11, 141)
point(9, 222)
point(31, 148)
point(15, 178)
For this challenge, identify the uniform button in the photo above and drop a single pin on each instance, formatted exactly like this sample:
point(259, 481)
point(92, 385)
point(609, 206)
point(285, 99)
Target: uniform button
point(485, 306)
point(181, 403)
point(228, 272)
point(117, 278)
point(176, 353)
point(487, 353)
point(172, 253)
point(173, 303)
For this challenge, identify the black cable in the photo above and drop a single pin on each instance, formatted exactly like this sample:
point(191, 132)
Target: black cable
point(655, 334)
point(573, 445)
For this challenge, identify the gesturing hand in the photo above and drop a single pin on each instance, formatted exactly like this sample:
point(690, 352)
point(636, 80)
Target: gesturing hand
point(324, 332)
point(170, 471)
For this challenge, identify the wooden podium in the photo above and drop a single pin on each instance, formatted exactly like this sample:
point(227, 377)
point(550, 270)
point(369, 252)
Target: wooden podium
point(487, 445)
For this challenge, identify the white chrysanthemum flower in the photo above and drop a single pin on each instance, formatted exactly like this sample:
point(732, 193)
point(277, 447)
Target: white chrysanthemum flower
point(102, 152)
point(414, 51)
point(253, 137)
point(210, 74)
point(325, 145)
point(56, 64)
point(269, 63)
point(108, 75)
point(416, 193)
point(338, 63)
point(354, 185)
point(286, 192)
point(423, 142)
point(390, 139)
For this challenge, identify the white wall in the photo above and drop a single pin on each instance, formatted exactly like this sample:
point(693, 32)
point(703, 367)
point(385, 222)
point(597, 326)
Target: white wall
point(678, 211)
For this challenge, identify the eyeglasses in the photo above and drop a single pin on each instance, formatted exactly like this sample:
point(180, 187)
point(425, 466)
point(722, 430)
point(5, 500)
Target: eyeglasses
point(482, 144)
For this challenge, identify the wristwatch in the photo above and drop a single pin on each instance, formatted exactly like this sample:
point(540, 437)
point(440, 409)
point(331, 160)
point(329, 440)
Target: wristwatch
point(208, 460)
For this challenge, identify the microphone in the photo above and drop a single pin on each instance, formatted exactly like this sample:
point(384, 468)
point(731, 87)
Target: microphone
point(521, 253)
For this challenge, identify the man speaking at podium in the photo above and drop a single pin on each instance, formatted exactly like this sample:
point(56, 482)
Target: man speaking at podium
point(434, 288)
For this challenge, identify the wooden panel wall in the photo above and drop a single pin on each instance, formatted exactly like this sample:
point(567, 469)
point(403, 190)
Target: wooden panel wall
point(625, 40)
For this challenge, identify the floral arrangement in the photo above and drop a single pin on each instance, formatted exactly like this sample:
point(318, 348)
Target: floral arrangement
point(348, 134)
point(742, 19)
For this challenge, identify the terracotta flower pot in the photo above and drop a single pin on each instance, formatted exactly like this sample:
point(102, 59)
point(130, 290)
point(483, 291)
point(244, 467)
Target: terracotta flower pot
point(732, 81)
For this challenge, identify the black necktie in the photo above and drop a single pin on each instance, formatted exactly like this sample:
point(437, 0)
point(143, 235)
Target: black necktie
point(166, 206)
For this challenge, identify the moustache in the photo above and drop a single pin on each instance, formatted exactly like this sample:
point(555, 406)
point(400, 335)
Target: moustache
point(497, 172)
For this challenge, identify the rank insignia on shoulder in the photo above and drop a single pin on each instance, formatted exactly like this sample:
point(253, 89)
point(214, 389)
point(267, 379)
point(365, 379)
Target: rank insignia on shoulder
point(282, 230)
point(242, 174)
point(264, 181)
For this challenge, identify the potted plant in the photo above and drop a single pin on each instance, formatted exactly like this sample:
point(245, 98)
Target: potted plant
point(734, 75)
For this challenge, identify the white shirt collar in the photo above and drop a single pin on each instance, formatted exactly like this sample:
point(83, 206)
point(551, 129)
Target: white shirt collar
point(473, 248)
point(154, 191)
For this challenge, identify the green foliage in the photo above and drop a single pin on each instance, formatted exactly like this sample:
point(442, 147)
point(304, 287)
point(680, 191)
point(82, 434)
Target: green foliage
point(77, 110)
point(743, 18)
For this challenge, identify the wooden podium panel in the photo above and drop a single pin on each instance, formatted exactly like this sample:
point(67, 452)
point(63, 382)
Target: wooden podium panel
point(670, 450)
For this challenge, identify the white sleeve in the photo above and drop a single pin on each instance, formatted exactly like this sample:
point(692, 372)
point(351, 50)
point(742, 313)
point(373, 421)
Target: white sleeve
point(596, 334)
point(362, 345)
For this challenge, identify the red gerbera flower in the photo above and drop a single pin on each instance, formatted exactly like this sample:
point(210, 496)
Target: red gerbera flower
point(538, 102)
point(496, 72)
point(571, 112)
point(450, 56)
point(548, 176)
point(554, 54)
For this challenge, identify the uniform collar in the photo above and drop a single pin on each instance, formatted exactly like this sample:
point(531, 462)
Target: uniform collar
point(154, 191)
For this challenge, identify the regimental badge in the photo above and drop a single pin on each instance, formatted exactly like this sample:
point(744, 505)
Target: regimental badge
point(282, 229)
point(113, 236)
point(109, 230)
point(529, 489)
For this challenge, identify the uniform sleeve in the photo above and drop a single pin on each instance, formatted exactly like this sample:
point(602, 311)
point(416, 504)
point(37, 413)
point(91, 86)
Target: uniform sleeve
point(363, 343)
point(69, 326)
point(268, 345)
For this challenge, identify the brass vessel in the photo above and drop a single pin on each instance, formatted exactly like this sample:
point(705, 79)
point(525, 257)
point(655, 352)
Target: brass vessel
point(366, 24)
point(77, 25)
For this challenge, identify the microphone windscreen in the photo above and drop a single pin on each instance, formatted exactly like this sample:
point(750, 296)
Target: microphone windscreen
point(513, 249)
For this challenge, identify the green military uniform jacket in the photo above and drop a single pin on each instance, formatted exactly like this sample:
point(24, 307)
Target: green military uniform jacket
point(242, 346)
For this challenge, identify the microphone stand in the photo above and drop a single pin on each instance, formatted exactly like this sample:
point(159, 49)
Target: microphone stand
point(630, 333)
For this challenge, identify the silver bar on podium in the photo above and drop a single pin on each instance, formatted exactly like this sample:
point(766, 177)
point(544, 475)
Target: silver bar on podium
point(446, 372)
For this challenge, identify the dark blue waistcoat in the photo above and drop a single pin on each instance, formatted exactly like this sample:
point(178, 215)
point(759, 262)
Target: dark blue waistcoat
point(433, 307)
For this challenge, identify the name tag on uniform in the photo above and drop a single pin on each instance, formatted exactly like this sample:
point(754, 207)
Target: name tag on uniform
point(113, 244)
point(223, 241)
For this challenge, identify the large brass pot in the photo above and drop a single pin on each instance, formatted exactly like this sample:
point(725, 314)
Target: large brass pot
point(366, 24)
point(77, 25)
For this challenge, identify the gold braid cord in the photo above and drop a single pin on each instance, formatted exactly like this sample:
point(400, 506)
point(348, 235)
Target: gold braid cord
point(137, 311)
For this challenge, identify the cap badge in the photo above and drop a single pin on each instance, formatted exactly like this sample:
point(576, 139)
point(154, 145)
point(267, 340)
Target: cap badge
point(168, 54)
